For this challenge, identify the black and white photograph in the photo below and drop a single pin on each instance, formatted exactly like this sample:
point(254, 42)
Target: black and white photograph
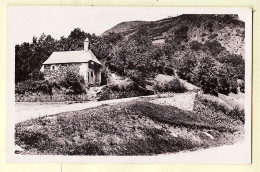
point(129, 84)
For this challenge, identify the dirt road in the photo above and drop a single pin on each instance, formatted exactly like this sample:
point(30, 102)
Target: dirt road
point(25, 110)
point(30, 110)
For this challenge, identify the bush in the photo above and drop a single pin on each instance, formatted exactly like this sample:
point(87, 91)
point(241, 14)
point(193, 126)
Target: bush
point(237, 114)
point(137, 76)
point(104, 78)
point(56, 97)
point(115, 92)
point(242, 86)
point(181, 33)
point(186, 66)
point(73, 81)
point(37, 75)
point(209, 85)
point(205, 76)
point(204, 34)
point(33, 86)
point(224, 86)
point(213, 36)
point(214, 47)
point(172, 86)
point(195, 45)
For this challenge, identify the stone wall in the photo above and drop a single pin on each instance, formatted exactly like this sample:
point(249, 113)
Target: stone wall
point(56, 72)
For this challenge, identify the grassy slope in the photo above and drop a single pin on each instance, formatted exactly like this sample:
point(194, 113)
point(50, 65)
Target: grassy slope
point(132, 128)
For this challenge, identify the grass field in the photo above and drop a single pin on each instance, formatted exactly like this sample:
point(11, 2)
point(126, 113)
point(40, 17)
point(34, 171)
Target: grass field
point(137, 127)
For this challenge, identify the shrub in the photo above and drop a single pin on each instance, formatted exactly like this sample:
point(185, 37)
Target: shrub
point(209, 85)
point(56, 97)
point(213, 36)
point(195, 45)
point(237, 114)
point(209, 26)
point(32, 139)
point(205, 76)
point(172, 86)
point(214, 47)
point(224, 86)
point(137, 76)
point(113, 91)
point(186, 66)
point(168, 70)
point(104, 78)
point(242, 86)
point(85, 149)
point(37, 75)
point(181, 33)
point(73, 81)
point(33, 86)
point(204, 34)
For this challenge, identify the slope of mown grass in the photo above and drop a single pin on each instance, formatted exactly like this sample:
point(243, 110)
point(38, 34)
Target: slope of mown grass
point(206, 115)
point(132, 128)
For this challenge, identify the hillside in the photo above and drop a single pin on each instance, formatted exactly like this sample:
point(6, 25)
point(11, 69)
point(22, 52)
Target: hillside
point(192, 66)
point(227, 29)
point(124, 27)
point(204, 50)
point(137, 127)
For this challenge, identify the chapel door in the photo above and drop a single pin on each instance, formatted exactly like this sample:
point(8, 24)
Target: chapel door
point(91, 77)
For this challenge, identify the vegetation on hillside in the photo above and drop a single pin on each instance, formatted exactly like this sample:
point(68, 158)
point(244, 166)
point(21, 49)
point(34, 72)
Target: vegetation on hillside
point(205, 50)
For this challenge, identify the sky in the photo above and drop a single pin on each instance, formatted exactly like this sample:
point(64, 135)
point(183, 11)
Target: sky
point(23, 23)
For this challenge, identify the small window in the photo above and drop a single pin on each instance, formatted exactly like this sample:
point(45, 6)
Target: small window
point(53, 67)
point(91, 73)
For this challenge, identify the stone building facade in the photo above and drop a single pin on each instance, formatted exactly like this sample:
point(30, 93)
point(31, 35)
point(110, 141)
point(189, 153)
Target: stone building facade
point(83, 63)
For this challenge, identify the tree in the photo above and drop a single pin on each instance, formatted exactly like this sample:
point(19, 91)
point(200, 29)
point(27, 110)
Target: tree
point(205, 76)
point(213, 47)
point(187, 65)
point(142, 37)
point(224, 80)
point(181, 34)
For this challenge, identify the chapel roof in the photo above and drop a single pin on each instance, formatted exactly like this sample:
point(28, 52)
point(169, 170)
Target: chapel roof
point(72, 57)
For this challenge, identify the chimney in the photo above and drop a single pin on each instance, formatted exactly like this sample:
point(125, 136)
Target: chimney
point(86, 44)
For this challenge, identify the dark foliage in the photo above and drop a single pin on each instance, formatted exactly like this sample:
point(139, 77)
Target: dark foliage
point(195, 45)
point(237, 114)
point(157, 143)
point(130, 52)
point(33, 139)
point(73, 81)
point(86, 149)
point(214, 47)
point(33, 86)
point(186, 66)
point(30, 56)
point(181, 34)
point(173, 86)
point(206, 77)
point(116, 92)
